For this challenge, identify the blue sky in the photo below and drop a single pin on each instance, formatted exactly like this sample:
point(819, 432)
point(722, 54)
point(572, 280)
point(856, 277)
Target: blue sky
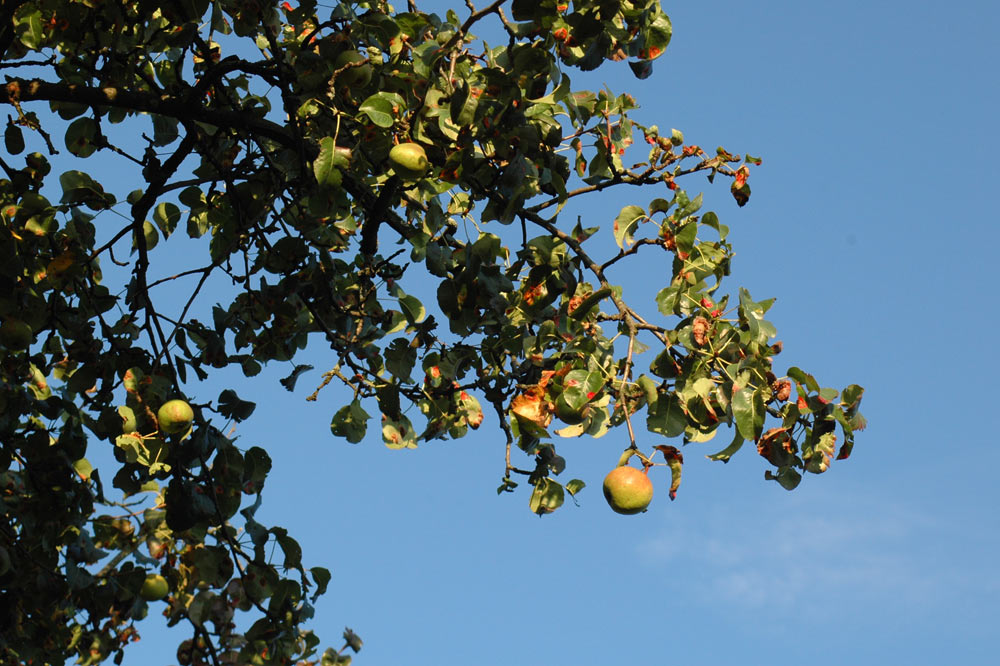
point(872, 221)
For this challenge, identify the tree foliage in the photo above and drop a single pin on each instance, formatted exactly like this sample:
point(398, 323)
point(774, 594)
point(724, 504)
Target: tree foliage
point(440, 277)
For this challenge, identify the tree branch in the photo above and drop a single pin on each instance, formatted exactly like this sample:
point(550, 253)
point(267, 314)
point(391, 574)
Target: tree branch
point(179, 107)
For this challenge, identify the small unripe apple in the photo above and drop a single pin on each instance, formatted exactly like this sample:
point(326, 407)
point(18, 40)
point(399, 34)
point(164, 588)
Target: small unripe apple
point(628, 490)
point(175, 416)
point(409, 160)
point(16, 334)
point(154, 588)
point(358, 76)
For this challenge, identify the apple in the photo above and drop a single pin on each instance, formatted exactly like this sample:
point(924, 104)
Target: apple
point(16, 334)
point(628, 490)
point(175, 416)
point(409, 160)
point(154, 588)
point(353, 77)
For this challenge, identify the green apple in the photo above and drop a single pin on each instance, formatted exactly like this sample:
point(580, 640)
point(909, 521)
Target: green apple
point(409, 160)
point(175, 416)
point(154, 588)
point(628, 490)
point(16, 334)
point(353, 77)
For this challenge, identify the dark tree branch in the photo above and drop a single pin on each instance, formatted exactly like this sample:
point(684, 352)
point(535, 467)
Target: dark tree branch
point(180, 107)
point(369, 232)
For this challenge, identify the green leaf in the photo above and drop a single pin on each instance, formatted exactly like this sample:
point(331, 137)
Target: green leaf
point(463, 105)
point(574, 486)
point(572, 430)
point(828, 394)
point(804, 378)
point(400, 358)
point(83, 468)
point(725, 454)
point(166, 215)
point(752, 314)
point(625, 224)
point(786, 476)
point(710, 219)
point(198, 224)
point(589, 302)
point(580, 234)
point(13, 139)
point(382, 108)
point(547, 496)
point(30, 31)
point(324, 166)
point(686, 237)
point(322, 577)
point(164, 130)
point(290, 547)
point(656, 36)
point(668, 300)
point(667, 417)
point(289, 381)
point(350, 422)
point(412, 308)
point(79, 187)
point(748, 410)
point(852, 396)
point(693, 434)
point(388, 398)
point(470, 410)
point(649, 389)
point(81, 136)
point(398, 433)
point(703, 386)
point(580, 387)
point(353, 640)
point(256, 466)
point(231, 407)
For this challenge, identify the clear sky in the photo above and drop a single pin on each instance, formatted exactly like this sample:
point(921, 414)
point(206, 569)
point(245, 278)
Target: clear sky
point(871, 220)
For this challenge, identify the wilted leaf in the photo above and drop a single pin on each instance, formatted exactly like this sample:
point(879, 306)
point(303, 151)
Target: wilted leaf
point(675, 461)
point(547, 496)
point(289, 381)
